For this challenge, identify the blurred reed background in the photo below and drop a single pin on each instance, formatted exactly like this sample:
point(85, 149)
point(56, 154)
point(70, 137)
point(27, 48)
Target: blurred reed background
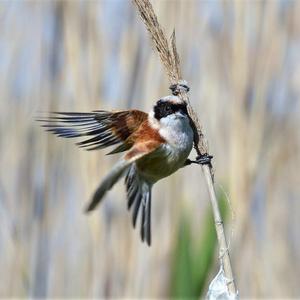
point(242, 61)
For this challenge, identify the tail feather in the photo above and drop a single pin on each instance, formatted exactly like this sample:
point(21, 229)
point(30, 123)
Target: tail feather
point(137, 204)
point(111, 178)
point(139, 196)
point(146, 220)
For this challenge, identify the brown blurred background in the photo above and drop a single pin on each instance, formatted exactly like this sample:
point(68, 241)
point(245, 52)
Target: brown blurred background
point(242, 62)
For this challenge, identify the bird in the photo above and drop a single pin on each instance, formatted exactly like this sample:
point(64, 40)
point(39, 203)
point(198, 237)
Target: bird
point(156, 144)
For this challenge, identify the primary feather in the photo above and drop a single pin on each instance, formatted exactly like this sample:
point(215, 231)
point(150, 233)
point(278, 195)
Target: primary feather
point(103, 128)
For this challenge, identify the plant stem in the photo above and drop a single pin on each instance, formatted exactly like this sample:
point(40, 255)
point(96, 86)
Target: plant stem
point(170, 59)
point(223, 247)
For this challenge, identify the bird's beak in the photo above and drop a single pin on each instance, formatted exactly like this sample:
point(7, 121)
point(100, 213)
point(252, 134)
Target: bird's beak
point(181, 114)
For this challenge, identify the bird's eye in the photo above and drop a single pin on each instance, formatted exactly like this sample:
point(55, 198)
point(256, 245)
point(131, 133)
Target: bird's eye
point(168, 108)
point(163, 109)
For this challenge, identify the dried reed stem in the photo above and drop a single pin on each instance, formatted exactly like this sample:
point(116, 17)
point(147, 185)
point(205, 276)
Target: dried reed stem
point(170, 59)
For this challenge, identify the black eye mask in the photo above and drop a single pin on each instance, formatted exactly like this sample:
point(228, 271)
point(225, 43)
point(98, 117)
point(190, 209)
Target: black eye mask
point(163, 109)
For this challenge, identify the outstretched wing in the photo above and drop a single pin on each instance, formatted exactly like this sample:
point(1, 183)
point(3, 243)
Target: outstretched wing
point(104, 128)
point(138, 190)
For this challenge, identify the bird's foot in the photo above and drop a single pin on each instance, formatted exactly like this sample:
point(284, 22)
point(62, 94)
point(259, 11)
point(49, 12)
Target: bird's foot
point(176, 88)
point(204, 159)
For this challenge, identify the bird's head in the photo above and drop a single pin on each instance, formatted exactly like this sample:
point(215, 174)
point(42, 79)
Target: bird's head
point(168, 110)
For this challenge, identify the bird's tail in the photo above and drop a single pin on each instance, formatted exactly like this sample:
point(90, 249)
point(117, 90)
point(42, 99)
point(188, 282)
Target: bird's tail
point(139, 198)
point(109, 180)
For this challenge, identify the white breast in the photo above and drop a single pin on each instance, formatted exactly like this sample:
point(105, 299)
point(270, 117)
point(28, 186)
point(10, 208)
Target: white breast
point(179, 136)
point(174, 129)
point(171, 155)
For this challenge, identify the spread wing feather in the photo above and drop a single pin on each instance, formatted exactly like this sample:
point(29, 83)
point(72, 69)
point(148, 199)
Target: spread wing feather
point(103, 128)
